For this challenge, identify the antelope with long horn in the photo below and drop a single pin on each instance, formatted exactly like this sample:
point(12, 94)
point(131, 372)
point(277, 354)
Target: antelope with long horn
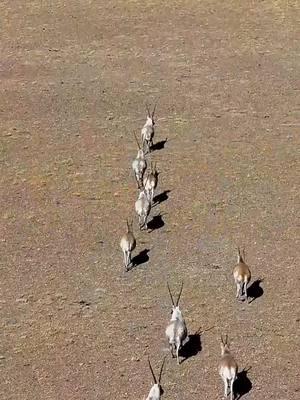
point(156, 390)
point(176, 331)
point(147, 132)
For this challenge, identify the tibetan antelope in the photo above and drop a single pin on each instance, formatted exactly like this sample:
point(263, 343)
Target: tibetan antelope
point(228, 367)
point(242, 276)
point(139, 165)
point(147, 132)
point(176, 331)
point(143, 208)
point(128, 244)
point(156, 390)
point(150, 182)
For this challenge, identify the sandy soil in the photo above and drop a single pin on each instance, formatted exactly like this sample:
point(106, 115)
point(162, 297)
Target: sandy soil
point(75, 76)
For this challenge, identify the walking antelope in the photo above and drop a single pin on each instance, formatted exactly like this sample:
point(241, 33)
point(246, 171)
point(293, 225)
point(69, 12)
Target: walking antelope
point(241, 275)
point(227, 367)
point(176, 331)
point(139, 165)
point(147, 132)
point(156, 390)
point(128, 244)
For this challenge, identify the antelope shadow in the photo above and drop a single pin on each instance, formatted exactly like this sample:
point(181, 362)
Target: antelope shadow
point(139, 259)
point(155, 223)
point(192, 346)
point(161, 197)
point(255, 290)
point(242, 384)
point(159, 145)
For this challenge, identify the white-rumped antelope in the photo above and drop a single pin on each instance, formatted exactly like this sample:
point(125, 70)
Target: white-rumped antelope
point(142, 208)
point(150, 182)
point(139, 165)
point(228, 367)
point(156, 390)
point(147, 132)
point(176, 331)
point(241, 275)
point(128, 244)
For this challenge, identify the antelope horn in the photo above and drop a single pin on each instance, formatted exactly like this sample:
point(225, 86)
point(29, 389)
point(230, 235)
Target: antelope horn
point(161, 369)
point(155, 381)
point(170, 294)
point(153, 112)
point(179, 294)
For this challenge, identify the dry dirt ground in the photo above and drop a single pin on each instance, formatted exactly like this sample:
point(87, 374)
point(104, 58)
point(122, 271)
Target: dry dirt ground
point(75, 76)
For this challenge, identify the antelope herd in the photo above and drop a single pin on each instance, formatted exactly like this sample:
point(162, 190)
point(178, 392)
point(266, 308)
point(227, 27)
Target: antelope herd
point(176, 330)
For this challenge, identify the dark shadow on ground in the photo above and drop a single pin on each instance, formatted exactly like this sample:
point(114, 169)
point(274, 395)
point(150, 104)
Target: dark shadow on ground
point(156, 223)
point(255, 291)
point(141, 258)
point(161, 197)
point(159, 145)
point(242, 384)
point(192, 347)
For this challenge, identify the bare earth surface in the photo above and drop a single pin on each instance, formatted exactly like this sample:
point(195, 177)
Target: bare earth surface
point(75, 76)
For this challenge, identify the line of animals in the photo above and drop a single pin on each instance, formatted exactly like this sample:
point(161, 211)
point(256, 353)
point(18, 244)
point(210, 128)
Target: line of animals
point(176, 331)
